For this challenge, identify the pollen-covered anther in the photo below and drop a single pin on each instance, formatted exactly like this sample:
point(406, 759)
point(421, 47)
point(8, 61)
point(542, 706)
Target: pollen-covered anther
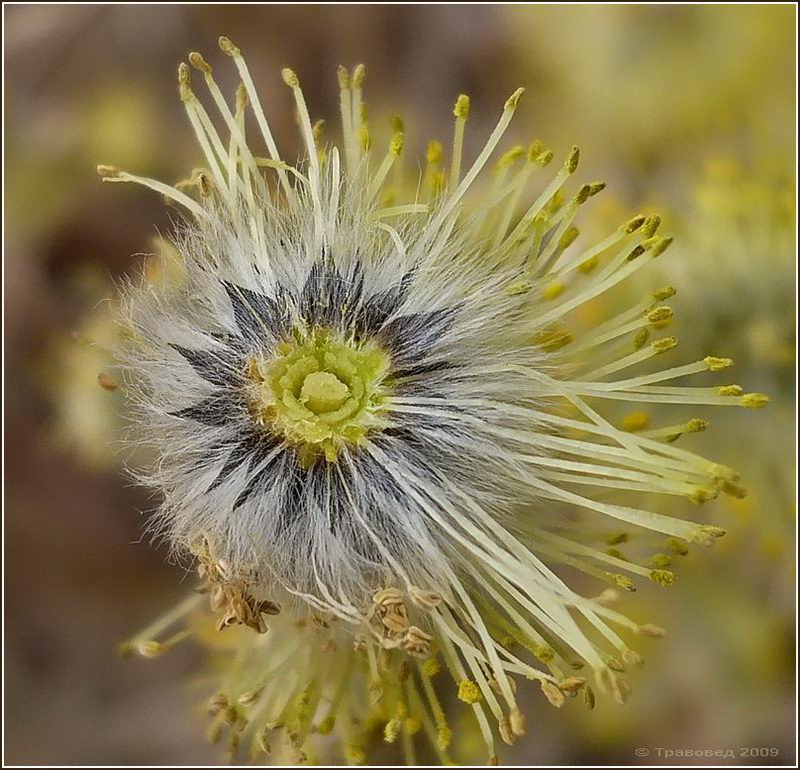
point(650, 225)
point(571, 163)
point(700, 495)
point(706, 534)
point(633, 224)
point(663, 577)
point(664, 293)
point(659, 315)
point(664, 344)
point(469, 692)
point(716, 364)
point(620, 581)
point(734, 490)
point(588, 190)
point(290, 77)
point(227, 46)
point(461, 108)
point(755, 400)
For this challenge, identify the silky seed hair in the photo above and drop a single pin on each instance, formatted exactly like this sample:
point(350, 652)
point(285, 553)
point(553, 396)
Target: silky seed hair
point(380, 420)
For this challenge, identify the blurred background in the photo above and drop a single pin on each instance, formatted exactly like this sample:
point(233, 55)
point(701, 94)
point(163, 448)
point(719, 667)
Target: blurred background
point(687, 108)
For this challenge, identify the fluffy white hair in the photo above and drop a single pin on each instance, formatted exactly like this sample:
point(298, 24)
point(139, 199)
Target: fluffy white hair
point(471, 484)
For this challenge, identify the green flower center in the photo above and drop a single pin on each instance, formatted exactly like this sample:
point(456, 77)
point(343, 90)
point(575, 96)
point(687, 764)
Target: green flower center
point(320, 391)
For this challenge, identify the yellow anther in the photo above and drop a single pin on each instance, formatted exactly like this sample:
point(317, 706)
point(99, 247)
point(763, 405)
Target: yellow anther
point(566, 240)
point(535, 148)
point(662, 560)
point(468, 691)
point(696, 425)
point(588, 697)
point(659, 314)
point(544, 158)
point(664, 293)
point(359, 73)
point(633, 224)
point(227, 46)
point(617, 538)
point(641, 338)
point(553, 290)
point(589, 265)
point(755, 400)
point(430, 667)
point(664, 344)
point(344, 77)
point(396, 124)
point(461, 108)
point(635, 252)
point(392, 729)
point(364, 138)
point(678, 546)
point(706, 534)
point(396, 145)
point(730, 390)
point(412, 725)
point(511, 156)
point(435, 152)
point(734, 490)
point(700, 495)
point(588, 190)
point(662, 245)
point(325, 727)
point(513, 100)
point(620, 581)
point(571, 162)
point(632, 423)
point(555, 203)
point(650, 225)
point(290, 77)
